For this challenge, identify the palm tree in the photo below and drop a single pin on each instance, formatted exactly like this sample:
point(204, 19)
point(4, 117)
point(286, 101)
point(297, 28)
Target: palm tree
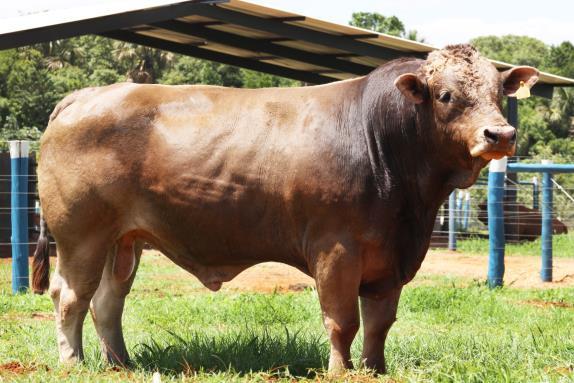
point(59, 53)
point(142, 64)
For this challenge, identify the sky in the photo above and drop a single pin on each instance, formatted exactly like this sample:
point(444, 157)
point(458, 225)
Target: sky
point(440, 22)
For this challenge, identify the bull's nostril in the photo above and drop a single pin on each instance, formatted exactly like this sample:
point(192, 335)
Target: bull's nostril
point(491, 137)
point(513, 138)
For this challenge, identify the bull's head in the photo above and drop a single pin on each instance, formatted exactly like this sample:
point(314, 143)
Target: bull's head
point(465, 92)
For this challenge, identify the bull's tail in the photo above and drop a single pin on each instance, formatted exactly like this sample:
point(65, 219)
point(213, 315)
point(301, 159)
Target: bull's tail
point(41, 263)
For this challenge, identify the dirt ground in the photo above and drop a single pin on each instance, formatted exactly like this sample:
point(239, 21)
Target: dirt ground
point(521, 272)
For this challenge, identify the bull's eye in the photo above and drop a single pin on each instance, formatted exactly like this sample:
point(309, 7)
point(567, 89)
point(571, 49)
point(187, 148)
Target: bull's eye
point(444, 96)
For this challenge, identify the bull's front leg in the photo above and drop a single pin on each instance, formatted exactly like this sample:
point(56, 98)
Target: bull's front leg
point(378, 317)
point(338, 275)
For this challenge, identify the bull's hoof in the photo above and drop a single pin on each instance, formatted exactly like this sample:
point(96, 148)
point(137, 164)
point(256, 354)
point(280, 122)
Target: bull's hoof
point(338, 367)
point(118, 359)
point(377, 367)
point(70, 360)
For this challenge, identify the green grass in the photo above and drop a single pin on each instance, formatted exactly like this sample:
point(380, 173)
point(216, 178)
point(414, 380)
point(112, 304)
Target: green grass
point(448, 330)
point(562, 246)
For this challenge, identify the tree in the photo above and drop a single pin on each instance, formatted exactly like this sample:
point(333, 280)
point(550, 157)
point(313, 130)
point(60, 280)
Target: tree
point(390, 25)
point(252, 79)
point(189, 70)
point(520, 50)
point(560, 59)
point(31, 91)
point(59, 53)
point(142, 64)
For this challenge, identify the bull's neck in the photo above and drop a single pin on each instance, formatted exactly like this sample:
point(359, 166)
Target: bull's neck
point(404, 157)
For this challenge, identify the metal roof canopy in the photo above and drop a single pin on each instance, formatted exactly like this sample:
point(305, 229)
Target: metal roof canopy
point(238, 33)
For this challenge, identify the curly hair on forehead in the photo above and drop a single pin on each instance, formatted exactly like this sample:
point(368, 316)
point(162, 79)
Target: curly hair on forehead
point(461, 55)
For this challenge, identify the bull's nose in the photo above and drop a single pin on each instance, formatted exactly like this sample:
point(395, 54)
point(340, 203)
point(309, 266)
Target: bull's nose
point(504, 135)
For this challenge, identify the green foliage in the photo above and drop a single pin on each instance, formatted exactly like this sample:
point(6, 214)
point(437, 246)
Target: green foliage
point(376, 22)
point(390, 25)
point(189, 70)
point(560, 59)
point(104, 76)
point(252, 79)
point(520, 50)
point(12, 131)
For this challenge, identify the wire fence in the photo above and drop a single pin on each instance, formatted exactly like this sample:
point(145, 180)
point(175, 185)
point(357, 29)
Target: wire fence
point(522, 217)
point(522, 209)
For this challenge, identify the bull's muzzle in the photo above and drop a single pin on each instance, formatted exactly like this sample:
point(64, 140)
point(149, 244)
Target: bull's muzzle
point(495, 142)
point(503, 136)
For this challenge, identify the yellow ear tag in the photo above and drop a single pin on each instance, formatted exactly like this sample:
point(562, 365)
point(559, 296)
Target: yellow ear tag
point(523, 91)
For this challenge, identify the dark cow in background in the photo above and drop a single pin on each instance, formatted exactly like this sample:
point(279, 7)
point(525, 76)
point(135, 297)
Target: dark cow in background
point(342, 181)
point(521, 223)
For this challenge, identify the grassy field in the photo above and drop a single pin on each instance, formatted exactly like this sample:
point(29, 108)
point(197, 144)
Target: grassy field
point(562, 246)
point(448, 330)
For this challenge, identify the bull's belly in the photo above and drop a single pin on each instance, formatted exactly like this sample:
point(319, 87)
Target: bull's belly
point(217, 252)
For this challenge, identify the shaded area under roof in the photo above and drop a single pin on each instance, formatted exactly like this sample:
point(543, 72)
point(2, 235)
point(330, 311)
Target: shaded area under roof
point(238, 33)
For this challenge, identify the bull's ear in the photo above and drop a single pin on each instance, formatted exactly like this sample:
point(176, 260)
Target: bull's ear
point(512, 78)
point(411, 87)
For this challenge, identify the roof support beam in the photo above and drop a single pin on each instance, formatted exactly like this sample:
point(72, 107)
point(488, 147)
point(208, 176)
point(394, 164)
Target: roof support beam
point(345, 43)
point(98, 24)
point(218, 57)
point(542, 90)
point(256, 45)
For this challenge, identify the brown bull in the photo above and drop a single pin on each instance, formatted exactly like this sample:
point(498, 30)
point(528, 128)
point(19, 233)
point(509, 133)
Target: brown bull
point(342, 181)
point(521, 223)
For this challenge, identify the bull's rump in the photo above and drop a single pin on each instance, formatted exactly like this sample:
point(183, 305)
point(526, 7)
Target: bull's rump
point(212, 174)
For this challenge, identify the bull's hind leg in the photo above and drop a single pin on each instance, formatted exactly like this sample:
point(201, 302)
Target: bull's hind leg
point(378, 317)
point(78, 273)
point(108, 304)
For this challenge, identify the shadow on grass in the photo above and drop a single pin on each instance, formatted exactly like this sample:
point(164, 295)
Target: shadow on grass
point(243, 352)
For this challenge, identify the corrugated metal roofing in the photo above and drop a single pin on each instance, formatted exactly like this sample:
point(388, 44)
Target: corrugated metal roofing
point(236, 32)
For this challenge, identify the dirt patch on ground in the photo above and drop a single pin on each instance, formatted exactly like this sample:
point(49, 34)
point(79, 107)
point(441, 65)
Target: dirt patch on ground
point(546, 304)
point(27, 316)
point(17, 368)
point(12, 367)
point(521, 272)
point(43, 316)
point(269, 277)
